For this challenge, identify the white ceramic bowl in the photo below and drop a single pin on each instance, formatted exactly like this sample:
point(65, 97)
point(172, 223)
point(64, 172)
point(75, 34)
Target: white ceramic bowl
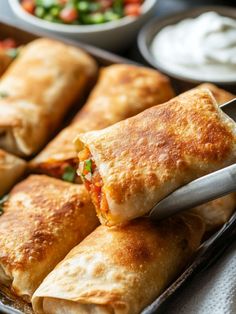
point(113, 36)
point(150, 30)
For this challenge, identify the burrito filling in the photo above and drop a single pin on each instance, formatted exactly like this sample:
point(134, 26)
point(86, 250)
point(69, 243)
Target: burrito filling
point(92, 180)
point(63, 169)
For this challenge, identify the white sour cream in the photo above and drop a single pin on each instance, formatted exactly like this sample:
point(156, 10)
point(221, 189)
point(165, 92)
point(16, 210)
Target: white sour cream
point(203, 48)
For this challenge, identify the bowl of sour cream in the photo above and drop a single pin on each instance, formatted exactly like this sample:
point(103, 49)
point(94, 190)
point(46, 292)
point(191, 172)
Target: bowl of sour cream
point(193, 46)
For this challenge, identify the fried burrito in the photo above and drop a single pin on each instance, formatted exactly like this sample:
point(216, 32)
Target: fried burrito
point(222, 96)
point(11, 169)
point(217, 212)
point(129, 167)
point(120, 269)
point(121, 92)
point(43, 219)
point(48, 77)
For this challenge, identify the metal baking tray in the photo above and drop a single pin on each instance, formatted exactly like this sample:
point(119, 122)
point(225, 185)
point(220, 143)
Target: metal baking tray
point(209, 251)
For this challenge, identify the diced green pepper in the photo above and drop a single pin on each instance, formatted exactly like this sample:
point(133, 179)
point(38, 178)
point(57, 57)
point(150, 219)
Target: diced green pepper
point(45, 3)
point(96, 18)
point(39, 12)
point(49, 18)
point(55, 11)
point(94, 6)
point(83, 6)
point(111, 16)
point(118, 7)
point(69, 174)
point(88, 165)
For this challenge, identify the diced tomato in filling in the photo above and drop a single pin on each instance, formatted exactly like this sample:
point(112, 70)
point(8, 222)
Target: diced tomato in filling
point(7, 44)
point(92, 180)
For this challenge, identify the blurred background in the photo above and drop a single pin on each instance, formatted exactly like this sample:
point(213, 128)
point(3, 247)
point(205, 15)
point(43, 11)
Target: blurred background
point(163, 8)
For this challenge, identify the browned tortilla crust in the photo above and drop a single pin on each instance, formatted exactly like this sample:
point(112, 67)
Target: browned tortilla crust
point(122, 91)
point(144, 158)
point(120, 269)
point(43, 219)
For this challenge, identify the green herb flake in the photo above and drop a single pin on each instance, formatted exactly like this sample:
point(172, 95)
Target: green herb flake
point(12, 52)
point(3, 94)
point(88, 165)
point(69, 174)
point(45, 3)
point(2, 201)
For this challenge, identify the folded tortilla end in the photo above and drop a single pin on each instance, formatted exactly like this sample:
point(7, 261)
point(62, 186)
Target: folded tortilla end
point(120, 270)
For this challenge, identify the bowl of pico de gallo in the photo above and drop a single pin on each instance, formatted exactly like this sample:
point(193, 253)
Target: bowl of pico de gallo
point(108, 24)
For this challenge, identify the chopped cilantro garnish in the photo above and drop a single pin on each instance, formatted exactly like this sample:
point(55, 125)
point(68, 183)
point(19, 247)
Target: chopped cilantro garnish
point(69, 174)
point(2, 201)
point(12, 52)
point(3, 94)
point(88, 165)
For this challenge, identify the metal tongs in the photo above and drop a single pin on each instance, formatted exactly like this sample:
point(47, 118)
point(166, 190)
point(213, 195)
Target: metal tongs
point(202, 190)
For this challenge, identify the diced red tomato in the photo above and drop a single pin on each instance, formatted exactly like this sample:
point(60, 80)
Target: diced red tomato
point(132, 9)
point(28, 5)
point(68, 15)
point(94, 186)
point(62, 2)
point(87, 185)
point(132, 2)
point(105, 4)
point(8, 43)
point(97, 190)
point(85, 171)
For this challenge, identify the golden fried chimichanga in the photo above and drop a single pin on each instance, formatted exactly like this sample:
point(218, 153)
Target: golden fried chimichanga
point(48, 76)
point(217, 212)
point(135, 163)
point(121, 92)
point(222, 96)
point(11, 169)
point(21, 126)
point(120, 270)
point(43, 219)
